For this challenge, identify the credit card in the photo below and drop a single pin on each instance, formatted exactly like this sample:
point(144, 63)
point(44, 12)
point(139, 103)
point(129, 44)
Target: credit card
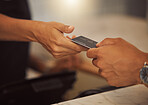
point(85, 42)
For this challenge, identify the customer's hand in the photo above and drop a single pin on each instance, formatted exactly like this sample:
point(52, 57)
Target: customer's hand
point(51, 36)
point(119, 61)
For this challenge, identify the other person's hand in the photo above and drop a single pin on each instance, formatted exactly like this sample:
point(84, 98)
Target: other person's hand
point(67, 63)
point(119, 61)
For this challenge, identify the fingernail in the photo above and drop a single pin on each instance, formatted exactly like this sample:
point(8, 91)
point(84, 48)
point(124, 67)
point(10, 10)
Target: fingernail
point(70, 27)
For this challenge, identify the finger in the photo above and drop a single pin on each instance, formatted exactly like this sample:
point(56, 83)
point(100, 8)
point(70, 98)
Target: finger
point(59, 52)
point(107, 41)
point(81, 47)
point(95, 61)
point(93, 53)
point(70, 45)
point(55, 55)
point(99, 62)
point(68, 37)
point(63, 28)
point(67, 43)
point(73, 36)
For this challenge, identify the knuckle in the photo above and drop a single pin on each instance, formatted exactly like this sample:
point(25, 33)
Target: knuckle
point(106, 39)
point(52, 32)
point(99, 51)
point(78, 49)
point(58, 42)
point(103, 74)
point(102, 41)
point(55, 49)
point(119, 39)
point(53, 22)
point(65, 28)
point(88, 53)
point(56, 55)
point(100, 64)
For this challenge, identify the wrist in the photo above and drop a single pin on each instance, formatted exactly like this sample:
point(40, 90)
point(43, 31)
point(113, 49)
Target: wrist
point(26, 28)
point(38, 29)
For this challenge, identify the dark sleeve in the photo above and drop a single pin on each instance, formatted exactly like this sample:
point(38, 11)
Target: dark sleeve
point(13, 55)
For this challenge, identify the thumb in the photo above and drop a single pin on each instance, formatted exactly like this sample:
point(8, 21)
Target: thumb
point(66, 29)
point(63, 28)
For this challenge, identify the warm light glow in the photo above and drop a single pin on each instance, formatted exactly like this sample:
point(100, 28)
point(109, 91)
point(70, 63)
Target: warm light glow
point(72, 2)
point(70, 9)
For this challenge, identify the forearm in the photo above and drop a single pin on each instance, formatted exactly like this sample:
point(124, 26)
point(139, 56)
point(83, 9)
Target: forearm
point(12, 29)
point(36, 64)
point(88, 67)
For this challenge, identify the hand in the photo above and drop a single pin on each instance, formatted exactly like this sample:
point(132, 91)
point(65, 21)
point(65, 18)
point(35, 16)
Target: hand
point(48, 34)
point(70, 63)
point(51, 36)
point(119, 61)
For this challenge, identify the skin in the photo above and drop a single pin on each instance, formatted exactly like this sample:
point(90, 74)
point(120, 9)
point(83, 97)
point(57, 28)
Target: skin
point(73, 62)
point(119, 61)
point(69, 62)
point(49, 34)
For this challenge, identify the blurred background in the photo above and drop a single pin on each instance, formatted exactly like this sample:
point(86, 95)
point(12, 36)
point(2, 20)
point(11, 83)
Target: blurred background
point(95, 19)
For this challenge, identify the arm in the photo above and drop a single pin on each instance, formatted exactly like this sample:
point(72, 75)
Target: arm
point(12, 29)
point(75, 62)
point(49, 34)
point(36, 63)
